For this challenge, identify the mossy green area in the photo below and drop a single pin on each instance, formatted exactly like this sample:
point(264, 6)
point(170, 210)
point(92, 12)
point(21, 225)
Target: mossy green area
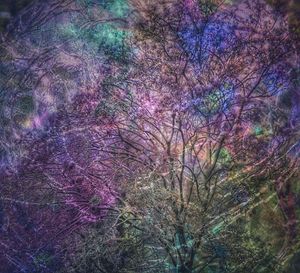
point(217, 228)
point(117, 8)
point(258, 130)
point(26, 104)
point(225, 156)
point(213, 101)
point(106, 38)
point(267, 223)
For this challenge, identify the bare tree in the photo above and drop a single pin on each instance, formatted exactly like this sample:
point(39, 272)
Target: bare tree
point(149, 144)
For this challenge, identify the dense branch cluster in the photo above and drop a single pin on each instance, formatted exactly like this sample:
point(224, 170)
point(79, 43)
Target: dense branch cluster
point(149, 136)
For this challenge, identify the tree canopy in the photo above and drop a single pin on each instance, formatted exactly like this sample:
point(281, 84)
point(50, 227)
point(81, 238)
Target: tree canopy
point(150, 136)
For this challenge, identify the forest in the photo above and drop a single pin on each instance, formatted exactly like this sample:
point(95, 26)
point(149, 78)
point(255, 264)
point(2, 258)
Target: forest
point(149, 136)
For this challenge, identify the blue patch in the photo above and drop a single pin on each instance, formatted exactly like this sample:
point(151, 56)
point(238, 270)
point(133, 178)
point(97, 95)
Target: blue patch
point(203, 40)
point(276, 81)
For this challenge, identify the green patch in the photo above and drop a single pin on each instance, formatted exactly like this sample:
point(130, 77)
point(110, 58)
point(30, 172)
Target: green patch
point(295, 185)
point(217, 228)
point(106, 38)
point(213, 101)
point(224, 155)
point(112, 41)
point(258, 130)
point(118, 8)
point(207, 7)
point(26, 104)
point(69, 31)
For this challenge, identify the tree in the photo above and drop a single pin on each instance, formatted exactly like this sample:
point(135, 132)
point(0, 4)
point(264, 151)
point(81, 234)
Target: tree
point(197, 139)
point(162, 143)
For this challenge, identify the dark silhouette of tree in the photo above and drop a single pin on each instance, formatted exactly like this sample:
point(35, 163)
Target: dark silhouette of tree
point(199, 135)
point(163, 142)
